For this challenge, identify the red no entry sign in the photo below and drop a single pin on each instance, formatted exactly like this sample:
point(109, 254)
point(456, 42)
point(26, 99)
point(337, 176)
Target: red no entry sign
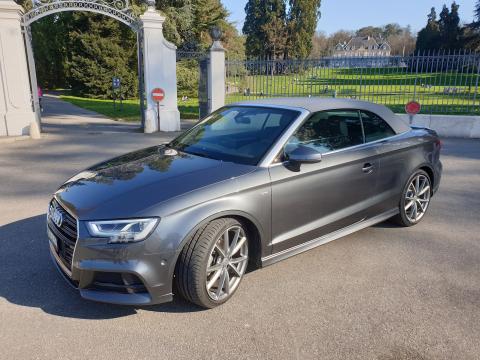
point(413, 108)
point(158, 94)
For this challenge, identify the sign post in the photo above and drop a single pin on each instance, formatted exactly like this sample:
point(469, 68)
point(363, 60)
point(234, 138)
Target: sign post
point(158, 94)
point(117, 85)
point(412, 108)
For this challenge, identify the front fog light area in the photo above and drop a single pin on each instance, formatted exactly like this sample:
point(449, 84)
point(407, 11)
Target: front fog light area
point(122, 231)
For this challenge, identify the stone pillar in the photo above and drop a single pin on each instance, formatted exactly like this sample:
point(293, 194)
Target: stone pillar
point(216, 76)
point(16, 114)
point(36, 127)
point(160, 71)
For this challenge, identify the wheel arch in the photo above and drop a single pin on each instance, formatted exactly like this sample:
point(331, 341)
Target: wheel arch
point(253, 227)
point(431, 174)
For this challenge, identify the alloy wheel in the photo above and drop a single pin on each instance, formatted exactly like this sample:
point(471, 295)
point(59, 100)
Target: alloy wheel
point(227, 263)
point(417, 198)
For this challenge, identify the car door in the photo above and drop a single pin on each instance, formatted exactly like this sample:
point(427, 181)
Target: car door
point(312, 200)
point(393, 159)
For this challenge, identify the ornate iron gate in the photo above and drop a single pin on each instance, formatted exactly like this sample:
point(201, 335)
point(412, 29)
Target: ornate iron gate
point(202, 61)
point(120, 10)
point(203, 99)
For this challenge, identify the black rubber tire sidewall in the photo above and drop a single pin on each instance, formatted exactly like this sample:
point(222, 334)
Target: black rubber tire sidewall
point(402, 218)
point(190, 274)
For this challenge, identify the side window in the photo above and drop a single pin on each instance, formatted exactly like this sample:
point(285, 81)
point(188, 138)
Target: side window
point(375, 127)
point(329, 130)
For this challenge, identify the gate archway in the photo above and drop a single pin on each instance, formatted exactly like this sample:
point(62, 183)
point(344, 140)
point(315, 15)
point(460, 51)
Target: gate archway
point(117, 9)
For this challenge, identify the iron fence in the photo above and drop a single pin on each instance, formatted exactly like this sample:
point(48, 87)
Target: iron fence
point(443, 82)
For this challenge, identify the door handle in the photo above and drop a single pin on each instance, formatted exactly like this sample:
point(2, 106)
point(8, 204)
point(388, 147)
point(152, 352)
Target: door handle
point(367, 168)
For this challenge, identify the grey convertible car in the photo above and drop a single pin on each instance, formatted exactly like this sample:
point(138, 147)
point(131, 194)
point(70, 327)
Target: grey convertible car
point(252, 184)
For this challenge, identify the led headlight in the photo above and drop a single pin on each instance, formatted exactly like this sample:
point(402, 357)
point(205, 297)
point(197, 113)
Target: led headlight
point(122, 231)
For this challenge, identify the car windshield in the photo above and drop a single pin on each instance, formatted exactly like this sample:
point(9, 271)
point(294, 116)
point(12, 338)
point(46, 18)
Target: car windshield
point(237, 134)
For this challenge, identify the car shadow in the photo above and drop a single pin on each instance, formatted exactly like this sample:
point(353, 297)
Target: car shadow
point(28, 278)
point(387, 224)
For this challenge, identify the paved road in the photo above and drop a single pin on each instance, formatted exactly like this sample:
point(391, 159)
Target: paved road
point(383, 293)
point(60, 117)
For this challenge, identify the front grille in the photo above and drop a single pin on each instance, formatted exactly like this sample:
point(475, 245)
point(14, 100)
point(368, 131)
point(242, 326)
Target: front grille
point(66, 233)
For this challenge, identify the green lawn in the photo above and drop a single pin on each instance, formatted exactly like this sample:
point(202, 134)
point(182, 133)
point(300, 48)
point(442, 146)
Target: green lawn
point(130, 110)
point(439, 93)
point(448, 92)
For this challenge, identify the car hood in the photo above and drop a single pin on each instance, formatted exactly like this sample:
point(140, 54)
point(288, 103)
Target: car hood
point(132, 184)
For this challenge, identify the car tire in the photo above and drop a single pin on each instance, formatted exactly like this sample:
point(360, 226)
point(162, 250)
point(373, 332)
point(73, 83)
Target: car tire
point(212, 263)
point(415, 200)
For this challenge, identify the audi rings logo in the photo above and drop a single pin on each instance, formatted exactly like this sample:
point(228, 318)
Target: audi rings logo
point(56, 216)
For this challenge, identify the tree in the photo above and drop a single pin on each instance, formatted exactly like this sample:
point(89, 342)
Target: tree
point(340, 37)
point(401, 40)
point(323, 45)
point(402, 43)
point(101, 48)
point(207, 14)
point(429, 37)
point(271, 32)
point(50, 47)
point(301, 24)
point(178, 26)
point(320, 46)
point(372, 31)
point(391, 30)
point(275, 36)
point(233, 42)
point(265, 23)
point(84, 51)
point(471, 32)
point(450, 31)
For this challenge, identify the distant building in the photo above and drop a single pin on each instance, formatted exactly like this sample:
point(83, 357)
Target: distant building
point(362, 46)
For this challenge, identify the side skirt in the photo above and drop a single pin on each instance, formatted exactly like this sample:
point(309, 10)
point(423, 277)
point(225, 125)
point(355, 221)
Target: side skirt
point(271, 259)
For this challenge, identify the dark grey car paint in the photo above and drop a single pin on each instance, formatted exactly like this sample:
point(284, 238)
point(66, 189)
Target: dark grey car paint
point(292, 209)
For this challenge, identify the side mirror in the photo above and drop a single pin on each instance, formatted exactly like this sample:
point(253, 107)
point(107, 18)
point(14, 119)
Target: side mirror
point(303, 155)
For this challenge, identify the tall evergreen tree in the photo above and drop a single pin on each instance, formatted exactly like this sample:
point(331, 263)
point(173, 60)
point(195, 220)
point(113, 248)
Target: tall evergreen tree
point(429, 37)
point(272, 32)
point(101, 48)
point(50, 47)
point(450, 31)
point(264, 28)
point(302, 22)
point(178, 27)
point(477, 12)
point(207, 14)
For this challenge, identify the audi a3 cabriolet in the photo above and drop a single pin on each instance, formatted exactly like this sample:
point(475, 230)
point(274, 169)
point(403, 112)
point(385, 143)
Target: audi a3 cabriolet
point(252, 184)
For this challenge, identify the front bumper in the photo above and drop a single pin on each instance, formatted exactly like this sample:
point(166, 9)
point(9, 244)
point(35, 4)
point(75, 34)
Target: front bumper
point(125, 274)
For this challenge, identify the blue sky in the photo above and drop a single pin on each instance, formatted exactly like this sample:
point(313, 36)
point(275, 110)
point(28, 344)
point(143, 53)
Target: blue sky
point(354, 14)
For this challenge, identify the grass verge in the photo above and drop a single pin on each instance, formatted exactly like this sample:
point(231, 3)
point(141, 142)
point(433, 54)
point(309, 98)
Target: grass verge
point(130, 109)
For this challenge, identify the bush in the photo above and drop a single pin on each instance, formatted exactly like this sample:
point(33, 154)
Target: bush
point(187, 78)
